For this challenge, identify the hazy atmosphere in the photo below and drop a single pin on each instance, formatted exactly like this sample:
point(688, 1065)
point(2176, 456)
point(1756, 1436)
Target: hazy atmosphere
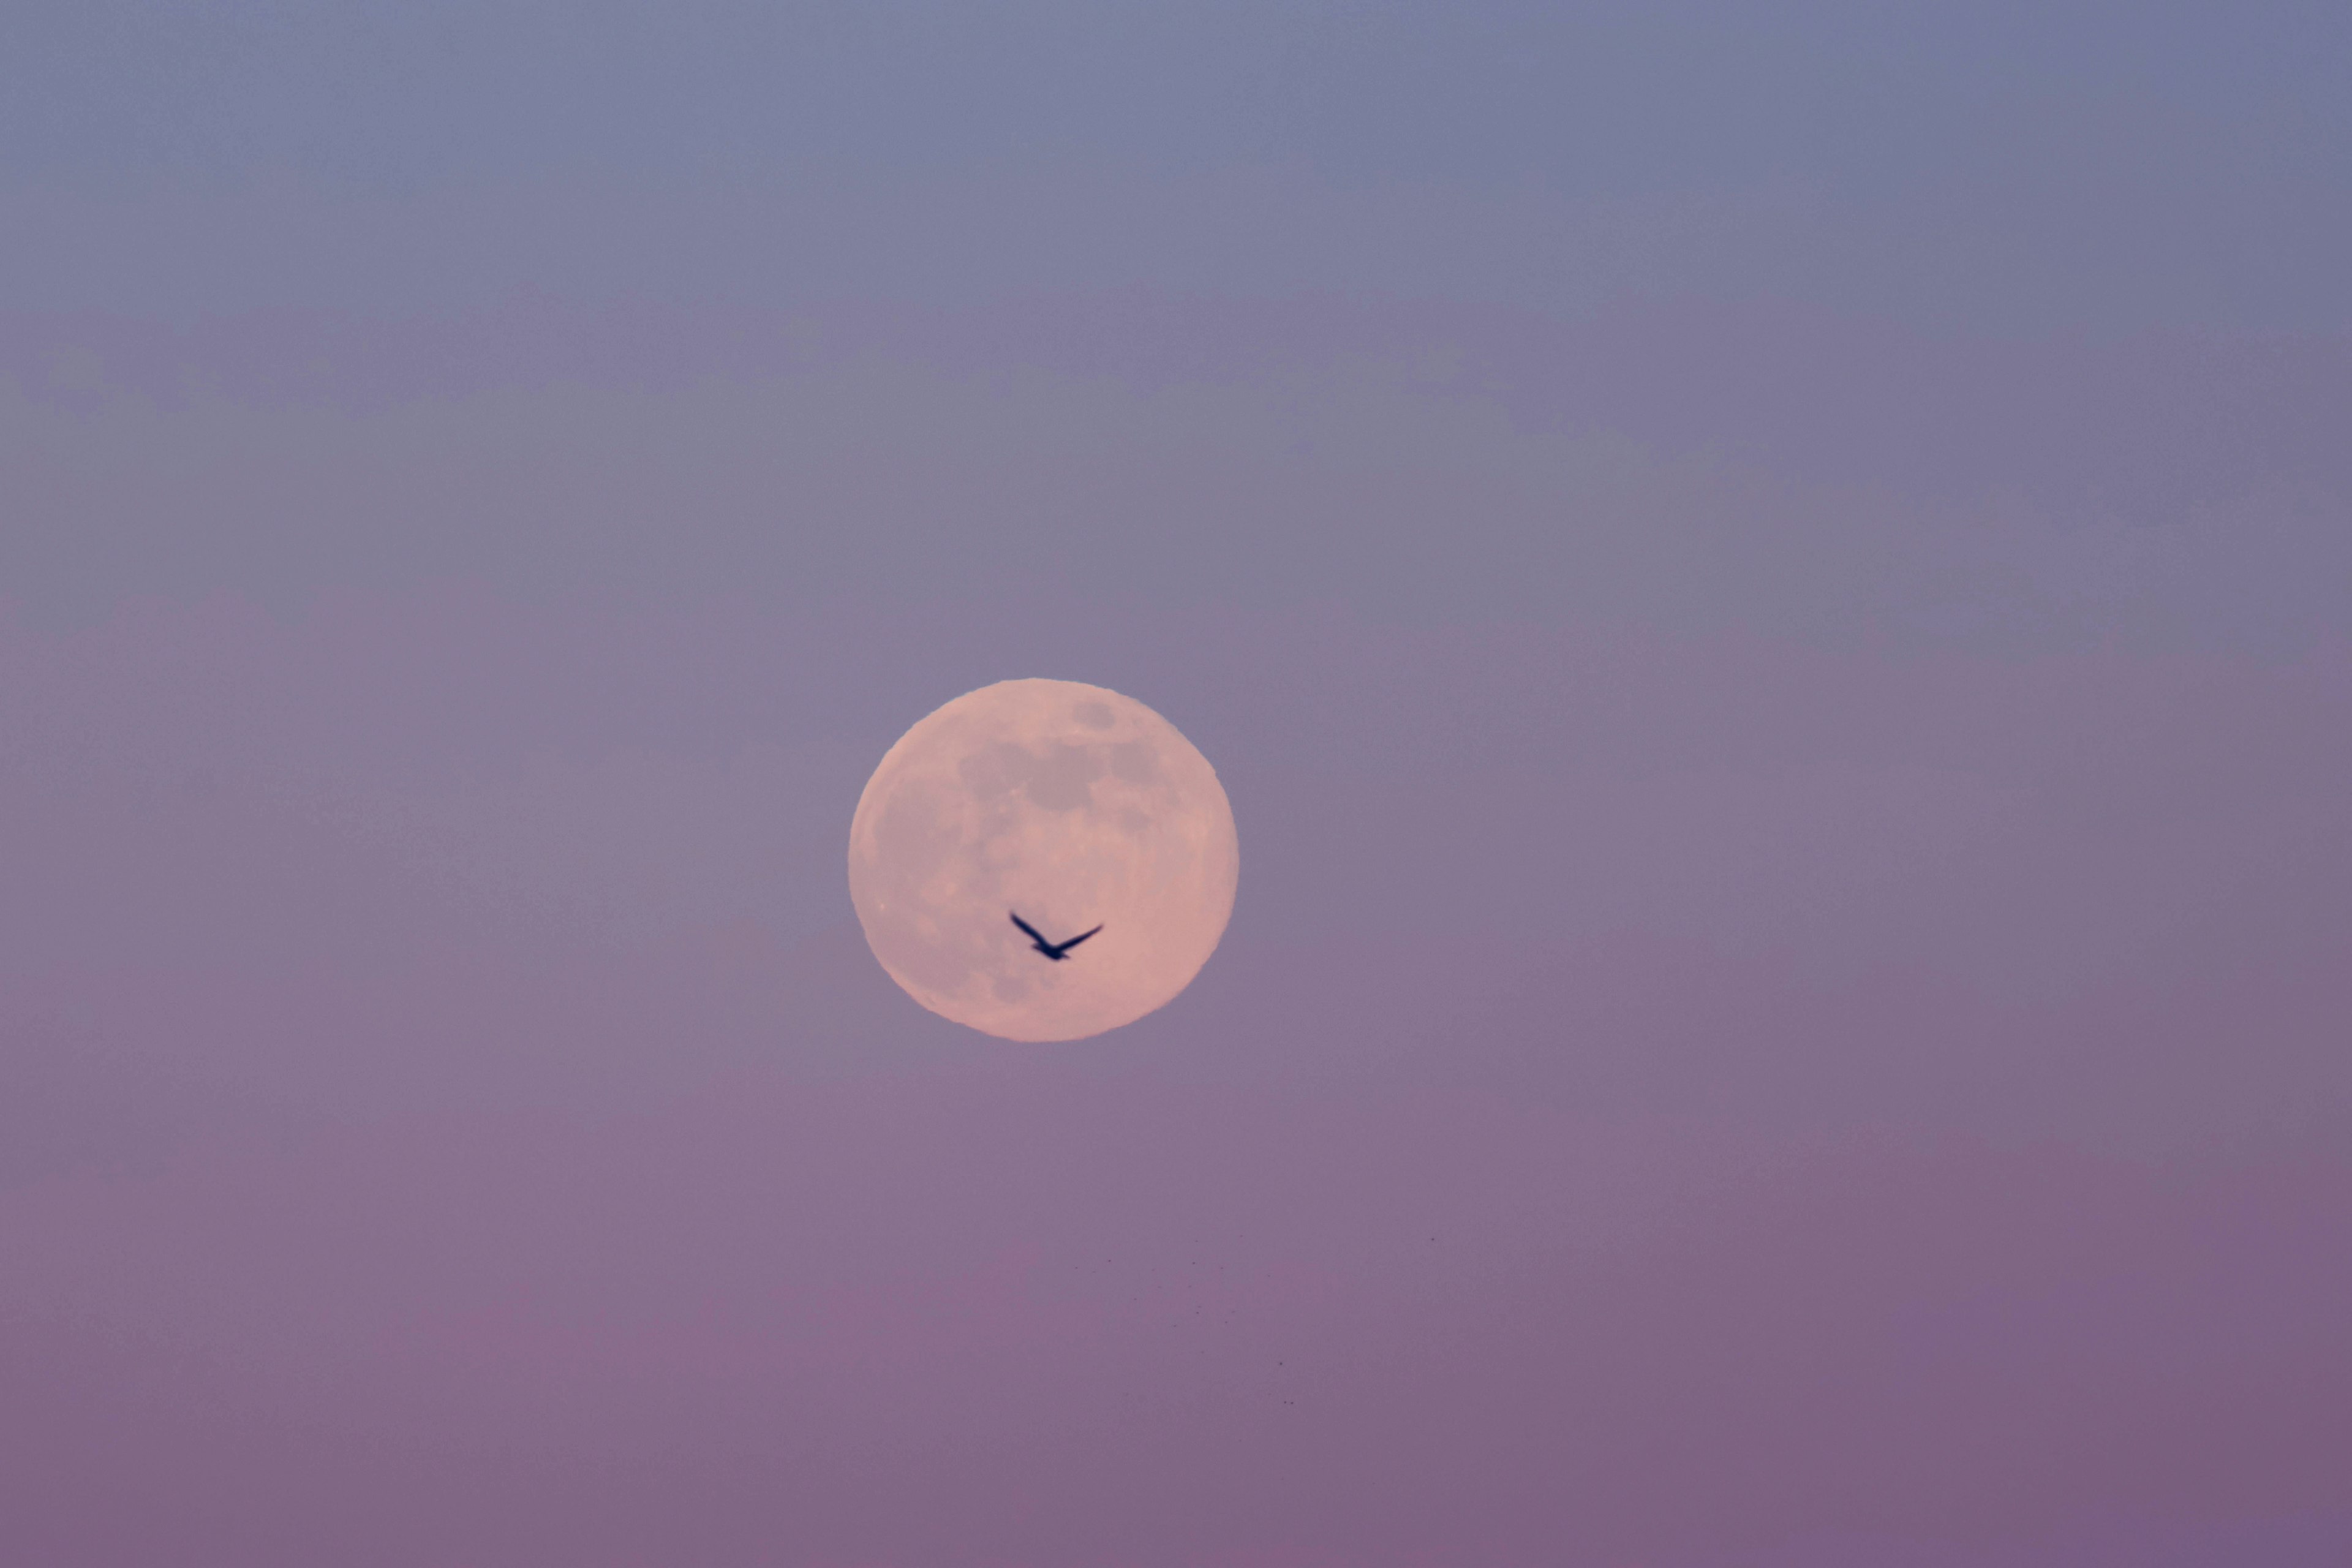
point(1770, 589)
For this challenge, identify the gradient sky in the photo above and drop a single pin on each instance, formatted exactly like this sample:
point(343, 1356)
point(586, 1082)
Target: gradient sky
point(1771, 588)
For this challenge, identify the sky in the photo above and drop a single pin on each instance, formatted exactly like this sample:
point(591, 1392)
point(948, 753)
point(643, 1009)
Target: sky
point(1770, 588)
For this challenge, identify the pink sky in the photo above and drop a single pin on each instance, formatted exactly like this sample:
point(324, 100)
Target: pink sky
point(1880, 1110)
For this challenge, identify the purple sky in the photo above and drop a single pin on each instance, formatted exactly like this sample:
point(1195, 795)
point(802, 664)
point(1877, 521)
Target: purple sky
point(1771, 588)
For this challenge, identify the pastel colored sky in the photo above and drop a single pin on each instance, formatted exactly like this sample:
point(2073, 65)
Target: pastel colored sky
point(1771, 588)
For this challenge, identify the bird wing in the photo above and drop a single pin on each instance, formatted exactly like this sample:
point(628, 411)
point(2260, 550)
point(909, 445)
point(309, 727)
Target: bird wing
point(1025, 926)
point(1077, 939)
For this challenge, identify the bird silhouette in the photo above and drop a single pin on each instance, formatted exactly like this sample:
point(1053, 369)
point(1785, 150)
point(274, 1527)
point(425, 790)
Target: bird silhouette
point(1056, 950)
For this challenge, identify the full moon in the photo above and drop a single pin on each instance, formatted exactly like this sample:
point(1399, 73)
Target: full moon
point(1068, 805)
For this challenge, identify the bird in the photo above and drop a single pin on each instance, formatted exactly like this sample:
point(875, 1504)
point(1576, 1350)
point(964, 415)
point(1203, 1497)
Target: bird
point(1056, 950)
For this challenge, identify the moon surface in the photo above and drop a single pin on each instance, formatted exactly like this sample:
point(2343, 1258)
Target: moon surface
point(1074, 806)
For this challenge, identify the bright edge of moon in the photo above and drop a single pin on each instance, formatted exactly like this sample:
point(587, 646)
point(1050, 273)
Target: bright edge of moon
point(1070, 804)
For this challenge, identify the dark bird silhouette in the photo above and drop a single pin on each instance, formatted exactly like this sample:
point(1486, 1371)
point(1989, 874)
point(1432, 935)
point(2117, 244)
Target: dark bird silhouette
point(1056, 950)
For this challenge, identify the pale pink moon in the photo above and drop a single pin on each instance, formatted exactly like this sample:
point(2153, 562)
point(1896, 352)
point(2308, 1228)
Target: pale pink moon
point(1074, 806)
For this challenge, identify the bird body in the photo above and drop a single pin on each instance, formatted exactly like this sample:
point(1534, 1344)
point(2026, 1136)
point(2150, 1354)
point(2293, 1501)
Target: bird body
point(1056, 950)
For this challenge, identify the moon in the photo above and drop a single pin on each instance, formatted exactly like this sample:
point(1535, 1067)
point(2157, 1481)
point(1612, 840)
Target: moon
point(1070, 804)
